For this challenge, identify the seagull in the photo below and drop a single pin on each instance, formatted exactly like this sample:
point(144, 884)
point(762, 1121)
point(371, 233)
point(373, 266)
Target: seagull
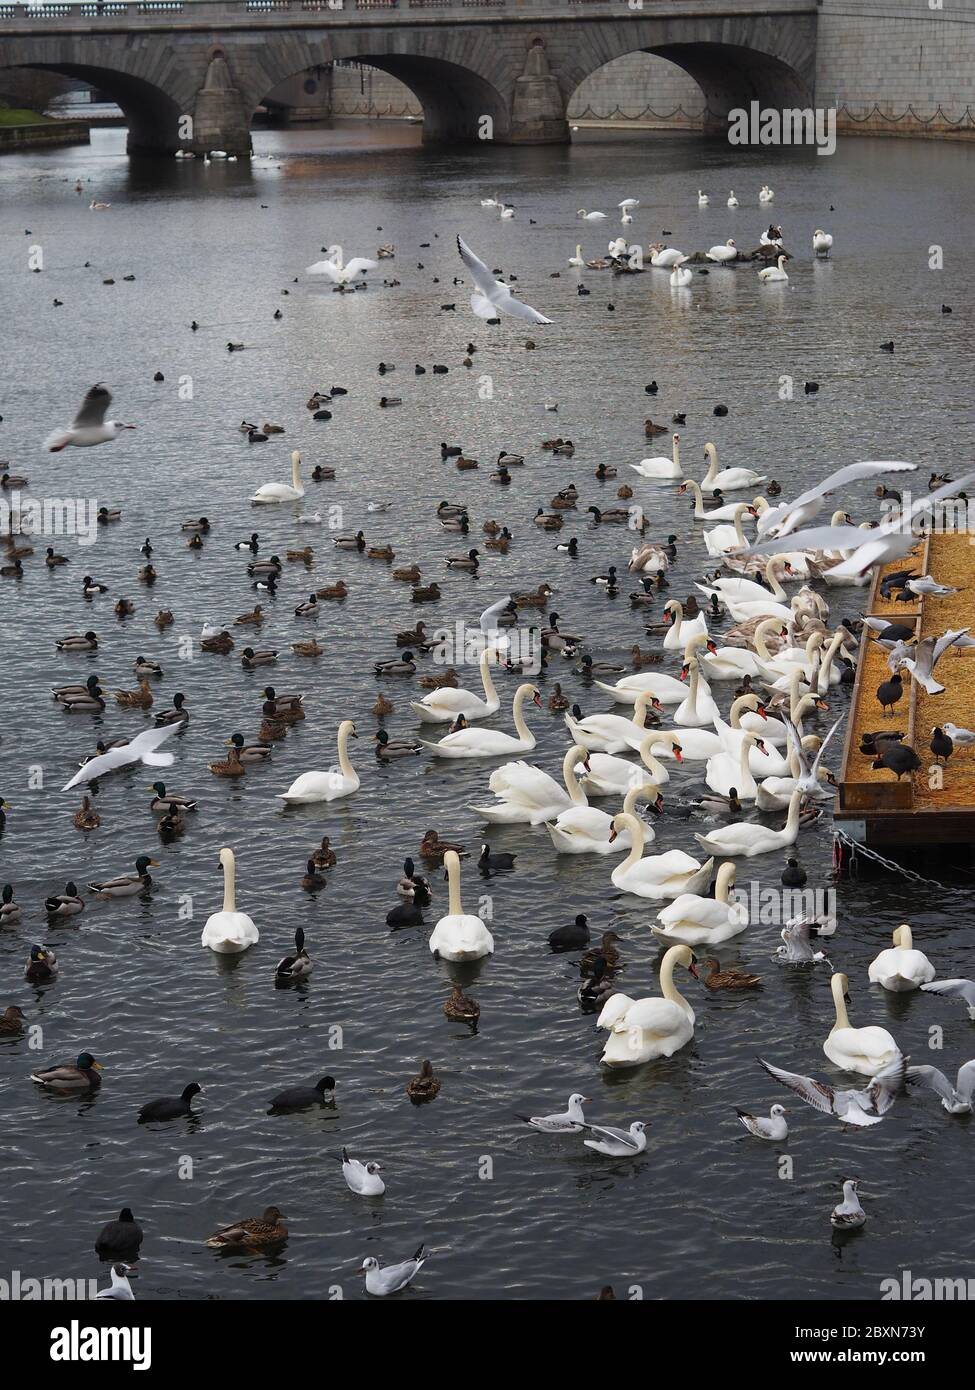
point(121, 1288)
point(797, 949)
point(774, 1128)
point(955, 989)
point(494, 298)
point(963, 738)
point(865, 1107)
point(892, 540)
point(394, 1277)
point(618, 1143)
point(927, 654)
point(849, 1215)
point(808, 779)
point(338, 273)
point(90, 426)
point(957, 1099)
point(362, 1178)
point(143, 748)
point(924, 584)
point(789, 516)
point(568, 1123)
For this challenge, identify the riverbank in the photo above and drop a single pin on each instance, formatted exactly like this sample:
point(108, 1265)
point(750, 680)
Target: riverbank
point(32, 131)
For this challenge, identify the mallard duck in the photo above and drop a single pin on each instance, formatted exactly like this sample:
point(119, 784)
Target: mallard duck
point(606, 950)
point(500, 543)
point(84, 642)
point(491, 528)
point(253, 619)
point(52, 560)
point(469, 562)
point(564, 450)
point(428, 593)
point(447, 679)
point(164, 801)
point(178, 714)
point(558, 700)
point(272, 429)
point(255, 1233)
point(356, 542)
point(380, 552)
point(729, 978)
point(412, 637)
point(403, 665)
point(387, 750)
point(12, 483)
point(465, 464)
point(461, 1008)
point(127, 885)
point(195, 542)
point(424, 1086)
point(324, 856)
point(312, 881)
point(147, 669)
point(66, 904)
point(613, 516)
point(232, 766)
point(170, 826)
point(9, 910)
point(42, 965)
point(106, 515)
point(135, 699)
point(310, 648)
point(124, 608)
point(640, 658)
point(382, 706)
point(92, 701)
point(407, 575)
point(164, 618)
point(548, 522)
point(272, 730)
point(320, 474)
point(298, 965)
point(86, 817)
point(249, 658)
point(222, 644)
point(434, 849)
point(605, 471)
point(333, 591)
point(71, 1077)
point(200, 523)
point(624, 491)
point(588, 667)
point(11, 1021)
point(147, 574)
point(535, 598)
point(249, 752)
point(285, 708)
point(304, 556)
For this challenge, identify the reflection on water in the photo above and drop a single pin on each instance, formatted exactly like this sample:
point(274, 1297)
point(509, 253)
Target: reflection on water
point(704, 1213)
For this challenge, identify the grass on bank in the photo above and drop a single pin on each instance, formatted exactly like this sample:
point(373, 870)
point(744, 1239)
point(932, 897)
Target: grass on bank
point(14, 116)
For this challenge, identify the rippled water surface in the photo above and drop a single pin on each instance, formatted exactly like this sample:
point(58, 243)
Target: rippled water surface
point(704, 1212)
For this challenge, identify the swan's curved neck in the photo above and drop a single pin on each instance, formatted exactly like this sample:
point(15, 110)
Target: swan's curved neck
point(676, 450)
point(647, 791)
point(229, 875)
point(838, 987)
point(724, 883)
point(667, 987)
point(676, 609)
point(698, 496)
point(653, 766)
point(904, 938)
point(772, 575)
point(743, 703)
point(576, 794)
point(711, 454)
point(296, 471)
point(823, 684)
point(524, 733)
point(343, 746)
point(490, 694)
point(744, 771)
point(800, 707)
point(694, 681)
point(739, 532)
point(758, 638)
point(792, 820)
point(453, 884)
point(636, 838)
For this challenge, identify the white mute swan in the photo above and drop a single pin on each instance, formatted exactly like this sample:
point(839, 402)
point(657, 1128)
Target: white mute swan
point(681, 630)
point(665, 257)
point(591, 216)
point(702, 199)
point(491, 743)
point(722, 538)
point(863, 1050)
point(447, 703)
point(699, 708)
point(774, 274)
point(659, 876)
point(529, 796)
point(459, 935)
point(775, 569)
point(724, 771)
point(728, 252)
point(728, 479)
point(281, 492)
point(702, 513)
point(607, 775)
point(667, 689)
point(695, 920)
point(611, 733)
point(642, 1029)
point(229, 932)
point(577, 259)
point(330, 785)
point(901, 968)
point(338, 273)
point(695, 744)
point(745, 840)
point(680, 277)
point(582, 829)
point(659, 467)
point(822, 242)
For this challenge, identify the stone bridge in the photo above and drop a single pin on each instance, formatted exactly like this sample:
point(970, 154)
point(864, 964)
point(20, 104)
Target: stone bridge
point(190, 75)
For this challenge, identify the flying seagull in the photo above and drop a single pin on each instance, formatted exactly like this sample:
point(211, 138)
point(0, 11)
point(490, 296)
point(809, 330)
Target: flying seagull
point(493, 297)
point(927, 654)
point(865, 1107)
point(789, 516)
point(955, 989)
point(90, 426)
point(957, 1099)
point(141, 749)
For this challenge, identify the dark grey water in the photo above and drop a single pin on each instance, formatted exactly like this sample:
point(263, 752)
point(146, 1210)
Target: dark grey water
point(704, 1213)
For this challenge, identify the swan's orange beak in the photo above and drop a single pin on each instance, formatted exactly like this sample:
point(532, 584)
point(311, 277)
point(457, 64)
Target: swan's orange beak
point(677, 751)
point(684, 670)
point(612, 833)
point(712, 646)
point(761, 711)
point(760, 745)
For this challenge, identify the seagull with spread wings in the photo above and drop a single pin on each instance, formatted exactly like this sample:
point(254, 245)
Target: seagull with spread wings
point(865, 1107)
point(144, 748)
point(808, 779)
point(789, 516)
point(492, 297)
point(892, 540)
point(90, 426)
point(926, 656)
point(957, 1099)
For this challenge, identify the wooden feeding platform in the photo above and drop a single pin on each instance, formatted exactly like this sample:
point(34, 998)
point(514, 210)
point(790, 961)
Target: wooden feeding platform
point(926, 808)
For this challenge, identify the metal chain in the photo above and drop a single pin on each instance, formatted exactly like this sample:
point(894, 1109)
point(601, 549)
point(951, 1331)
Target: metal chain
point(887, 863)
